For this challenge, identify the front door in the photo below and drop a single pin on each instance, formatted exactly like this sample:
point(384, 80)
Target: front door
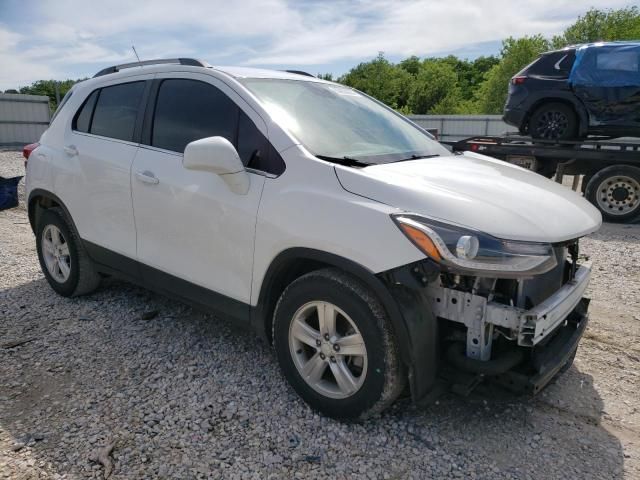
point(195, 237)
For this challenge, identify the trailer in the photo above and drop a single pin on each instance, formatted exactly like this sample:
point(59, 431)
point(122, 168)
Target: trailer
point(606, 171)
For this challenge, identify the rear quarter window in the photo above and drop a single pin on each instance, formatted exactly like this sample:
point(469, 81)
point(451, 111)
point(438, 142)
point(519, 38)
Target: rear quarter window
point(82, 119)
point(555, 64)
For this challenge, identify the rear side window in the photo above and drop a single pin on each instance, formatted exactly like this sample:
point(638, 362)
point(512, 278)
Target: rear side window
point(556, 64)
point(187, 110)
point(116, 111)
point(82, 120)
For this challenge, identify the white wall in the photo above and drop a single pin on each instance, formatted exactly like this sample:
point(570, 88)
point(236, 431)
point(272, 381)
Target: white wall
point(23, 118)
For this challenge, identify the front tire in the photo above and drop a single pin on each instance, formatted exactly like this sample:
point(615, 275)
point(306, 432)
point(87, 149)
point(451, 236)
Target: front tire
point(335, 346)
point(63, 259)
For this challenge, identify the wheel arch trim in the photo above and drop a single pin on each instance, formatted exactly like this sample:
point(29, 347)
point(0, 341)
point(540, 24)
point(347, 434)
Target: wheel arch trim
point(271, 288)
point(31, 204)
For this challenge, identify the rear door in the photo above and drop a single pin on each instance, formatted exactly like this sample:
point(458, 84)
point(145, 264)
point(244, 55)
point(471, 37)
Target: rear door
point(99, 149)
point(190, 225)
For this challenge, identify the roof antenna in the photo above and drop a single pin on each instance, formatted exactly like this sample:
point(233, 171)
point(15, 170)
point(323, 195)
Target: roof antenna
point(134, 51)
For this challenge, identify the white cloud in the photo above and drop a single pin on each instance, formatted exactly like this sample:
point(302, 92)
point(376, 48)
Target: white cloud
point(72, 38)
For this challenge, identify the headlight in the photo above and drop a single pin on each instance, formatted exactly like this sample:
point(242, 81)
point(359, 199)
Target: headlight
point(469, 251)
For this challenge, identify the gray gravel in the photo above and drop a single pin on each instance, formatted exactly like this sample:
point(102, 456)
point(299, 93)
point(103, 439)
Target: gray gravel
point(184, 395)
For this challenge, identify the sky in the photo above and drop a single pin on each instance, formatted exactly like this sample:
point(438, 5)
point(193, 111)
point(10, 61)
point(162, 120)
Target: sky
point(62, 39)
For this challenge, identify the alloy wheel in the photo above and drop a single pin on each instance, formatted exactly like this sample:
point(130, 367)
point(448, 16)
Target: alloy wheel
point(552, 125)
point(328, 350)
point(55, 251)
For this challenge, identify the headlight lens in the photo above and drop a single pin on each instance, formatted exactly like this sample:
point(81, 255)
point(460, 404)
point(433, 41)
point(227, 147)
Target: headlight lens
point(465, 250)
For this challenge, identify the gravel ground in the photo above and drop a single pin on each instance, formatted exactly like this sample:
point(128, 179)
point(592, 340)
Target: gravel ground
point(182, 395)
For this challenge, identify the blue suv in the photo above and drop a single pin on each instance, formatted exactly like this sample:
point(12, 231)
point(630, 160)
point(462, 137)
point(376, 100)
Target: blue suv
point(591, 89)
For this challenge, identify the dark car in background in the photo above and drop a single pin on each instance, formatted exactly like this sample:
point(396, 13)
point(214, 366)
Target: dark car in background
point(566, 94)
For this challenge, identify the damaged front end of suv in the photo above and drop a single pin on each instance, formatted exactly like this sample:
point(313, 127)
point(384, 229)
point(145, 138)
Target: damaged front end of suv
point(511, 312)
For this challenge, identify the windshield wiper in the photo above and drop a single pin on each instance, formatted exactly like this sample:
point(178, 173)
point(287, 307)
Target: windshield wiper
point(347, 161)
point(416, 157)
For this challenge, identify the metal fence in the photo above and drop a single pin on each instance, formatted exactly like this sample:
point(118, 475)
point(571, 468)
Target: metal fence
point(457, 127)
point(23, 118)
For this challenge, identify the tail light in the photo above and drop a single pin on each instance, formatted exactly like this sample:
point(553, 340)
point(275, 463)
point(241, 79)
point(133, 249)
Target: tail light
point(26, 152)
point(519, 80)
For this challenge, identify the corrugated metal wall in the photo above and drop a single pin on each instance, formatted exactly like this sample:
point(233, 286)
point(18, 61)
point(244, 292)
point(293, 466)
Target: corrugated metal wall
point(457, 127)
point(23, 118)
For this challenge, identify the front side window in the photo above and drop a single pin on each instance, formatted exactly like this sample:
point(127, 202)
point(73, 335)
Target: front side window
point(338, 123)
point(188, 110)
point(116, 111)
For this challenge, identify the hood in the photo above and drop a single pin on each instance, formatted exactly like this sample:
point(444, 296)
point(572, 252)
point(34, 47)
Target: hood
point(478, 192)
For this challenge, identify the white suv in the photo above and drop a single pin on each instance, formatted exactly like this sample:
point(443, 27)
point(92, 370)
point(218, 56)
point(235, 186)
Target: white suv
point(334, 227)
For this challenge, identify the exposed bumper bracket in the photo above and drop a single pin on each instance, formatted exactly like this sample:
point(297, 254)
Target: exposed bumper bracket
point(530, 326)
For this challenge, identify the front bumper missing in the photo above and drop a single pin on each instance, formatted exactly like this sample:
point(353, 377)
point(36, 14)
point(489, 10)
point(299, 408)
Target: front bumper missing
point(553, 357)
point(530, 327)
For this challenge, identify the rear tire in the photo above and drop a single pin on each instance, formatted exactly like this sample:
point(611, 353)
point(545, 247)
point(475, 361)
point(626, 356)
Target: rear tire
point(615, 191)
point(63, 259)
point(368, 378)
point(554, 121)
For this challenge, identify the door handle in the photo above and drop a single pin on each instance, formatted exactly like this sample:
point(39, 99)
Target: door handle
point(71, 150)
point(147, 177)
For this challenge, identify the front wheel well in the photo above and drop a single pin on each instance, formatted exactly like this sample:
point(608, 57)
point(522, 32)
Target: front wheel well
point(280, 277)
point(294, 262)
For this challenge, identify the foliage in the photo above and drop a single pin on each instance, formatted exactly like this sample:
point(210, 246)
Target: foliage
point(597, 25)
point(48, 88)
point(382, 80)
point(431, 86)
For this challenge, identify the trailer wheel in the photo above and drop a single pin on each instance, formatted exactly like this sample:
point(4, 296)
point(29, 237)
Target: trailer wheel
point(615, 191)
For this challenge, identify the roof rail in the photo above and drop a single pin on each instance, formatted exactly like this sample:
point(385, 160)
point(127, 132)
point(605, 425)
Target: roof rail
point(159, 61)
point(300, 72)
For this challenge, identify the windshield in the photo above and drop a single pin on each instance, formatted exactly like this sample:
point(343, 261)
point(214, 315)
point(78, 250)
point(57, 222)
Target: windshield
point(338, 123)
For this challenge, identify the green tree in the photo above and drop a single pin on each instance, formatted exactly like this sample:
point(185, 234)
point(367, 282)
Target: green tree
point(48, 88)
point(597, 25)
point(516, 53)
point(380, 79)
point(435, 81)
point(411, 65)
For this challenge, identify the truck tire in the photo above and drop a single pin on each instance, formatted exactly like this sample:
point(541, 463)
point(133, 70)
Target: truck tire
point(335, 346)
point(554, 121)
point(63, 259)
point(615, 191)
